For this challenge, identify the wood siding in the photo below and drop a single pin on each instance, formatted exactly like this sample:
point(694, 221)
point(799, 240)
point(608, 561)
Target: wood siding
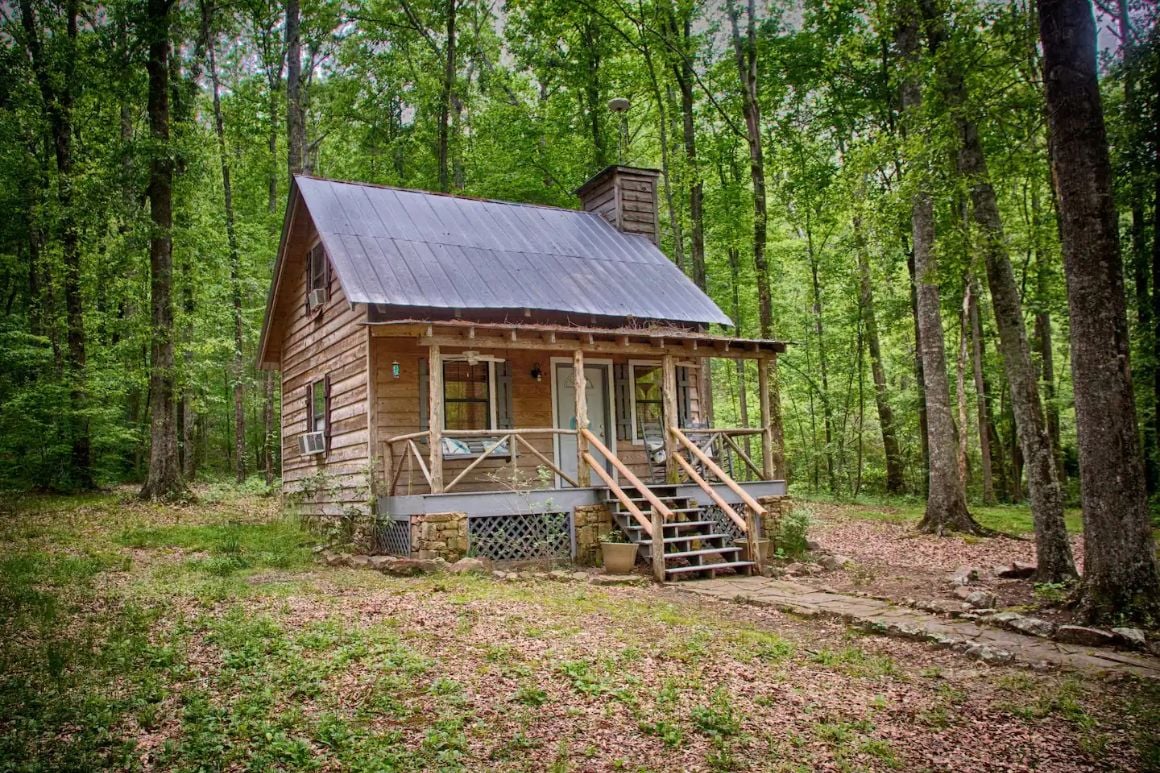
point(332, 344)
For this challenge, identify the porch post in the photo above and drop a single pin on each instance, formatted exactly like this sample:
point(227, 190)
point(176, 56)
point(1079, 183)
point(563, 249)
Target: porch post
point(435, 417)
point(671, 414)
point(583, 474)
point(767, 470)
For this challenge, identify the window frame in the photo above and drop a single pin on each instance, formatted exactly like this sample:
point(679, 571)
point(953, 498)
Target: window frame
point(492, 411)
point(313, 420)
point(635, 436)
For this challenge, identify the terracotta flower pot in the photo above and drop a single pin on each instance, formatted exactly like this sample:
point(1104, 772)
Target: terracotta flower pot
point(619, 557)
point(762, 550)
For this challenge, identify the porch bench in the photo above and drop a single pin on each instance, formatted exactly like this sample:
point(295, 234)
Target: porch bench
point(473, 448)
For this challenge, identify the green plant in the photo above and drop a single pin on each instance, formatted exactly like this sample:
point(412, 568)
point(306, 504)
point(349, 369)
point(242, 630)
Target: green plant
point(792, 534)
point(614, 536)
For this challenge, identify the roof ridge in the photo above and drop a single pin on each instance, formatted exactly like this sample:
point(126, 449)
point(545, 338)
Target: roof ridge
point(448, 195)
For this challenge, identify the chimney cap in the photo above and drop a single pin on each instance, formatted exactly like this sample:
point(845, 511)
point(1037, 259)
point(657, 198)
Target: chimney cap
point(612, 169)
point(619, 104)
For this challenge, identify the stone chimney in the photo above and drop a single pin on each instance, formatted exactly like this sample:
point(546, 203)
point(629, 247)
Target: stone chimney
point(626, 197)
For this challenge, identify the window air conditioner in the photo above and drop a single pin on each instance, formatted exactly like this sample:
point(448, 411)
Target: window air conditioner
point(311, 443)
point(316, 298)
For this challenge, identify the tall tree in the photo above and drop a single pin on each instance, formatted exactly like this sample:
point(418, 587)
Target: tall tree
point(164, 479)
point(894, 481)
point(297, 161)
point(1053, 550)
point(238, 373)
point(57, 83)
point(745, 55)
point(1121, 580)
point(946, 504)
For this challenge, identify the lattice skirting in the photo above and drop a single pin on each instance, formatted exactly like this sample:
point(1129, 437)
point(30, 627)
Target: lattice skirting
point(725, 524)
point(521, 536)
point(392, 537)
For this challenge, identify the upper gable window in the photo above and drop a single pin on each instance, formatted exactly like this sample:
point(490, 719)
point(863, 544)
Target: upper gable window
point(317, 279)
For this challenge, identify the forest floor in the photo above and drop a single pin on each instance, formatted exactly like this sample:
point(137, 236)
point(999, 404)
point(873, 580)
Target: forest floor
point(138, 636)
point(893, 560)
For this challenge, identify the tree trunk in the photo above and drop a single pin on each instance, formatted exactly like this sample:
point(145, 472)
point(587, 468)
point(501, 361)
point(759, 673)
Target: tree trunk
point(920, 380)
point(981, 408)
point(1053, 549)
point(745, 51)
point(946, 505)
point(443, 136)
point(961, 383)
point(56, 90)
point(295, 114)
point(164, 480)
point(239, 365)
point(1121, 580)
point(894, 482)
point(824, 393)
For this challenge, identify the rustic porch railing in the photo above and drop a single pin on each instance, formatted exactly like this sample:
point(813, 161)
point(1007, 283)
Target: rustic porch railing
point(753, 509)
point(403, 453)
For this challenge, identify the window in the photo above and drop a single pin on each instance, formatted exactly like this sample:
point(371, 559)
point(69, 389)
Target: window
point(316, 403)
point(648, 404)
point(467, 391)
point(317, 278)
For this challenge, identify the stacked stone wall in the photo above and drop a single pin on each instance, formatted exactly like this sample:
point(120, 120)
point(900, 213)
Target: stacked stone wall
point(439, 535)
point(591, 522)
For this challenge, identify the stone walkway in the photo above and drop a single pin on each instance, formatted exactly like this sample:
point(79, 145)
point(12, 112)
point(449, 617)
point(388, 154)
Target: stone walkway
point(987, 643)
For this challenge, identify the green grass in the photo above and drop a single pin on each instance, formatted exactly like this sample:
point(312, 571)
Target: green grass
point(208, 632)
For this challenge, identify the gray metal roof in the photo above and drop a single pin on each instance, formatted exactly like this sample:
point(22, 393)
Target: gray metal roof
point(408, 248)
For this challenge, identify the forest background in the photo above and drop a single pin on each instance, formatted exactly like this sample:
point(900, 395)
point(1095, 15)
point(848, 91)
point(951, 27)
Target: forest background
point(787, 188)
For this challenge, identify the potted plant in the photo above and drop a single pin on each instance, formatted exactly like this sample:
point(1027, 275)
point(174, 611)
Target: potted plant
point(762, 549)
point(619, 555)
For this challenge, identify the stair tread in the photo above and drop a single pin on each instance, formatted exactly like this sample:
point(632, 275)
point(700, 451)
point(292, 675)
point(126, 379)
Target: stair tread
point(674, 524)
point(706, 567)
point(703, 552)
point(690, 538)
point(671, 509)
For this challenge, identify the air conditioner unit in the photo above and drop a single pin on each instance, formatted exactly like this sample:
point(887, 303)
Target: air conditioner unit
point(311, 443)
point(316, 298)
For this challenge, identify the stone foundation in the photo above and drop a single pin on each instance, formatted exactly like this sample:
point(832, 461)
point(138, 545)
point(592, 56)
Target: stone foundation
point(776, 508)
point(591, 522)
point(439, 535)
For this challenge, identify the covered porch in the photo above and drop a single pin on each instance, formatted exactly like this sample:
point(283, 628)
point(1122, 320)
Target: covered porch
point(581, 423)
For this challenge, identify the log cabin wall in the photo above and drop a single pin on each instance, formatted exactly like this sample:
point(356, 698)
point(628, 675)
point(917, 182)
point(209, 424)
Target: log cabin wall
point(331, 345)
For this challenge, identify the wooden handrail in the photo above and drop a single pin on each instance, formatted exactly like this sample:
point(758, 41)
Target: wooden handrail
point(712, 492)
point(741, 493)
point(618, 492)
point(419, 458)
point(628, 475)
point(744, 456)
point(550, 464)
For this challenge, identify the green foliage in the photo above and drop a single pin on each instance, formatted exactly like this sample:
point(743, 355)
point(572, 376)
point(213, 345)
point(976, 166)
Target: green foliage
point(792, 535)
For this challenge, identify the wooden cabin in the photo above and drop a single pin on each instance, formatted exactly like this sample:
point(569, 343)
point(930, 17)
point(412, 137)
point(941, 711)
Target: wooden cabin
point(509, 380)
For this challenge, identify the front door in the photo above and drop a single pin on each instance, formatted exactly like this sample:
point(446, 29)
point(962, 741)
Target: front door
point(597, 379)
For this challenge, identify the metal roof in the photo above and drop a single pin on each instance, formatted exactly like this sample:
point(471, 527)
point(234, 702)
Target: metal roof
point(401, 247)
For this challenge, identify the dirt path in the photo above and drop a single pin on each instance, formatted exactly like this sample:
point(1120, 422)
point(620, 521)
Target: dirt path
point(989, 644)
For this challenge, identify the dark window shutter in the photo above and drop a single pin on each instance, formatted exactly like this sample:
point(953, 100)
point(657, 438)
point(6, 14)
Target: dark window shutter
point(683, 408)
point(310, 407)
point(306, 299)
point(504, 415)
point(326, 399)
point(622, 387)
point(424, 402)
point(325, 269)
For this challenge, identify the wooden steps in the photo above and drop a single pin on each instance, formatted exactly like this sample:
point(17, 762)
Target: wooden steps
point(691, 547)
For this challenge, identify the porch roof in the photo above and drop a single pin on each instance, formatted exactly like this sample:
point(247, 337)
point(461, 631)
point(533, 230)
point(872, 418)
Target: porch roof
point(652, 340)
